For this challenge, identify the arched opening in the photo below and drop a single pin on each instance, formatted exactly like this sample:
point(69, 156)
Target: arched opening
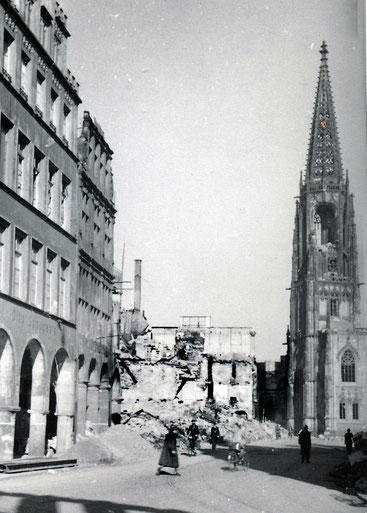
point(116, 397)
point(325, 225)
point(82, 395)
point(104, 399)
point(92, 396)
point(7, 390)
point(7, 370)
point(31, 401)
point(59, 427)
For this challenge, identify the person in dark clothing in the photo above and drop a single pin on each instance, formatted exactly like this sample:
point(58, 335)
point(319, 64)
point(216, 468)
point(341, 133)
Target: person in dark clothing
point(348, 440)
point(193, 434)
point(304, 440)
point(214, 435)
point(169, 457)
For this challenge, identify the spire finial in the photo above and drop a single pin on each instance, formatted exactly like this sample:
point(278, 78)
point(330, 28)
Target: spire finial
point(324, 51)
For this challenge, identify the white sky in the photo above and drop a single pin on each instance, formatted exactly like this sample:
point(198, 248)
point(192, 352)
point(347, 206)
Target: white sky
point(207, 105)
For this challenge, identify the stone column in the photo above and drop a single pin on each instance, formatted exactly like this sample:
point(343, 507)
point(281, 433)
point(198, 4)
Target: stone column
point(82, 407)
point(65, 434)
point(7, 428)
point(92, 401)
point(104, 403)
point(37, 432)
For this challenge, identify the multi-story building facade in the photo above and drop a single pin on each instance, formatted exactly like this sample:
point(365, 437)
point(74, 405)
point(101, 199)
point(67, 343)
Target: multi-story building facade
point(39, 191)
point(96, 279)
point(327, 351)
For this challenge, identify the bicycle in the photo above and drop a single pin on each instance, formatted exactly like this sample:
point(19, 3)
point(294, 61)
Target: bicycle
point(239, 457)
point(191, 446)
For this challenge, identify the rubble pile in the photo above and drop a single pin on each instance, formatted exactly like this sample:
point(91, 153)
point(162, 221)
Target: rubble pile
point(153, 418)
point(353, 473)
point(117, 444)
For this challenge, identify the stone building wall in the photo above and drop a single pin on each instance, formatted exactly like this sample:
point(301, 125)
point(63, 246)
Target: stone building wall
point(45, 391)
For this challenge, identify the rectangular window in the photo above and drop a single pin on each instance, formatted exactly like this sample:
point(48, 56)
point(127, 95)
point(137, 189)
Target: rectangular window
point(36, 179)
point(4, 254)
point(67, 123)
point(8, 55)
point(65, 203)
point(54, 111)
point(19, 264)
point(40, 94)
point(35, 282)
point(51, 283)
point(342, 410)
point(21, 177)
point(64, 292)
point(355, 411)
point(25, 76)
point(5, 146)
point(57, 51)
point(51, 190)
point(45, 24)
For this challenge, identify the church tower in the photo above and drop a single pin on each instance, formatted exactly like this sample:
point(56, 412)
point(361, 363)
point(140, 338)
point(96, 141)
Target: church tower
point(326, 349)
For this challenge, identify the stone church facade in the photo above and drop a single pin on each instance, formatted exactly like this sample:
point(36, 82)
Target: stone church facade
point(327, 350)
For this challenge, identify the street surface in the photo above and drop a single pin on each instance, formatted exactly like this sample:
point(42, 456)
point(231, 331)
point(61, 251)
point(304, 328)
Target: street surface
point(277, 482)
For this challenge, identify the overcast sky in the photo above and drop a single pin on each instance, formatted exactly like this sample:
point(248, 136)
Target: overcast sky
point(207, 105)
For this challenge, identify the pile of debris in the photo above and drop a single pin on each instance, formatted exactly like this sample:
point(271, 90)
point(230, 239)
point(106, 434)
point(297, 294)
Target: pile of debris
point(353, 474)
point(153, 419)
point(118, 444)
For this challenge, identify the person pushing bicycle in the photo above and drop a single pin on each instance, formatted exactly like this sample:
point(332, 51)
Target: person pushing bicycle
point(193, 434)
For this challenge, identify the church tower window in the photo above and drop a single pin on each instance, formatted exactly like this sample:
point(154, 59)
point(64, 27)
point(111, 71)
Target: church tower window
point(342, 410)
point(325, 225)
point(334, 306)
point(348, 366)
point(355, 411)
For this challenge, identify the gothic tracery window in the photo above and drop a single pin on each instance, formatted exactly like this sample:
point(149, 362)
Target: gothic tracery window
point(348, 366)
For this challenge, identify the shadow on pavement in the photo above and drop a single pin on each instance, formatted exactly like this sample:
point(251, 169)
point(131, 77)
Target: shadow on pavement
point(286, 462)
point(50, 504)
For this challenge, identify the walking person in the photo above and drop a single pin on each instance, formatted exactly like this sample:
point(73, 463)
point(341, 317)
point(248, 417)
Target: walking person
point(348, 441)
point(214, 435)
point(304, 440)
point(169, 457)
point(193, 434)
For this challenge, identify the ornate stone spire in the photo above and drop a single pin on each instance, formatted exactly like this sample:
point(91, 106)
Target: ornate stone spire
point(324, 162)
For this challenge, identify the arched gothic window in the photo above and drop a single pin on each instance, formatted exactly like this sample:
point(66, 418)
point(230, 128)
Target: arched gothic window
point(317, 224)
point(348, 366)
point(342, 410)
point(325, 224)
point(355, 411)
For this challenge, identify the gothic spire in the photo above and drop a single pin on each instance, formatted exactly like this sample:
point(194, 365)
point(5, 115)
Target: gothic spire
point(324, 160)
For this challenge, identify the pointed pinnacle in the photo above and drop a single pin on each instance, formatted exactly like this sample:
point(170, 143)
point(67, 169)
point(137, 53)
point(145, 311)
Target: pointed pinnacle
point(324, 51)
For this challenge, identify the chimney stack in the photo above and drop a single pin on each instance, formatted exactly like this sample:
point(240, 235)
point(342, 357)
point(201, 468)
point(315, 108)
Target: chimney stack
point(137, 286)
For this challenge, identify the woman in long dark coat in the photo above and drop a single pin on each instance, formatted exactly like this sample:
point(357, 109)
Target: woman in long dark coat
point(169, 457)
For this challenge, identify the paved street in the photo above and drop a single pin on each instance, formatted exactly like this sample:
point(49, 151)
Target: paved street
point(276, 483)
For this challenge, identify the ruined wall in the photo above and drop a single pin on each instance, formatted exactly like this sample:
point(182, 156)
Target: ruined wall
point(229, 341)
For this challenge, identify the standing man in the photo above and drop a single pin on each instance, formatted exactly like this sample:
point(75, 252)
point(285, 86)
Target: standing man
point(304, 440)
point(214, 435)
point(348, 440)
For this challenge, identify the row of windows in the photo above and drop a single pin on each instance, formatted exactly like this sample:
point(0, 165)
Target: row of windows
point(91, 287)
point(34, 176)
point(37, 90)
point(335, 307)
point(33, 272)
point(343, 410)
point(92, 322)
